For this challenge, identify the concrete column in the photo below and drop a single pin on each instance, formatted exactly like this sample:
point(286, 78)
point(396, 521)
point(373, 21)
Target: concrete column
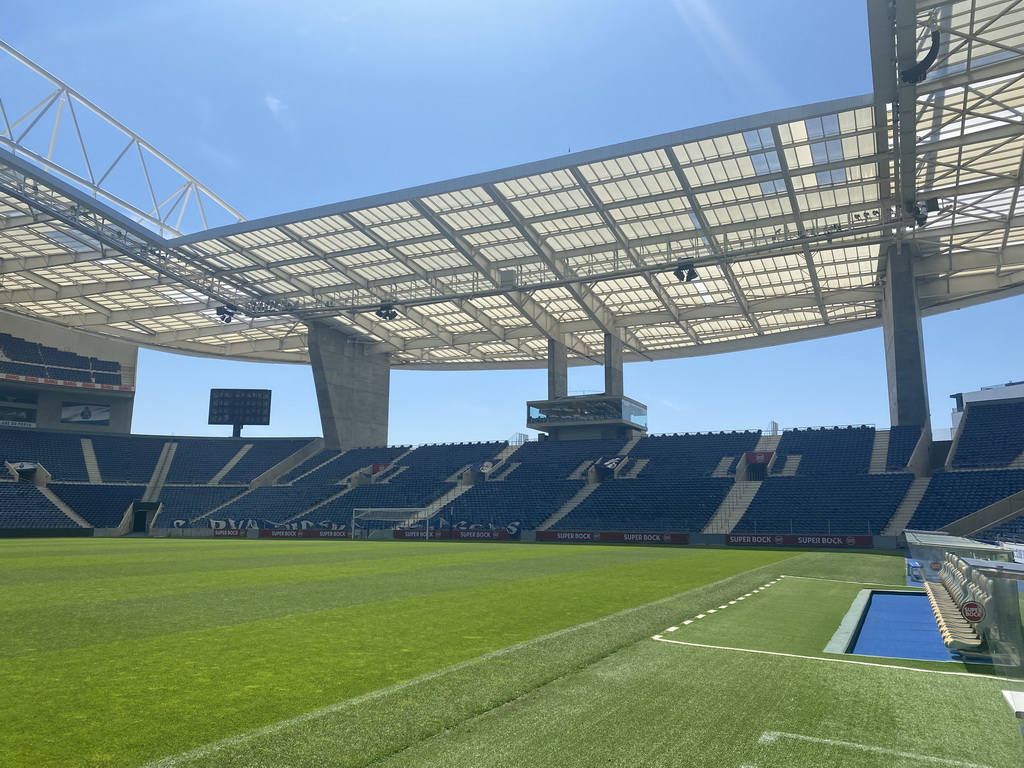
point(904, 340)
point(612, 365)
point(558, 370)
point(352, 383)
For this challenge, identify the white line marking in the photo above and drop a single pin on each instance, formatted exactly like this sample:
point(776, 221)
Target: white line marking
point(741, 598)
point(842, 581)
point(672, 629)
point(722, 607)
point(732, 602)
point(699, 616)
point(712, 610)
point(835, 661)
point(232, 741)
point(688, 621)
point(770, 737)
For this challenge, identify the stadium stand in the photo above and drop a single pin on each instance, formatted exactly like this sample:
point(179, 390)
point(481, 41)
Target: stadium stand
point(127, 458)
point(24, 506)
point(197, 460)
point(264, 454)
point(308, 465)
point(992, 435)
point(188, 502)
point(902, 442)
point(273, 503)
point(672, 488)
point(691, 455)
point(375, 495)
point(102, 506)
point(671, 505)
point(512, 504)
point(1012, 530)
point(827, 450)
point(837, 504)
point(343, 464)
point(59, 452)
point(27, 358)
point(951, 495)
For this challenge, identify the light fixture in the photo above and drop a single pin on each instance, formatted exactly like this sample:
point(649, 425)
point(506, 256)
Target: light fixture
point(226, 313)
point(387, 312)
point(685, 272)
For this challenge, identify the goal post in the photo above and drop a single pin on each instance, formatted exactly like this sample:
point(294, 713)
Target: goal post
point(366, 520)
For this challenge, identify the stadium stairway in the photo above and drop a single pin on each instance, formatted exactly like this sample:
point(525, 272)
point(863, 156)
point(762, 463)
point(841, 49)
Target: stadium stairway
point(569, 506)
point(722, 470)
point(995, 514)
point(767, 442)
point(159, 477)
point(59, 504)
point(230, 464)
point(279, 470)
point(217, 508)
point(733, 506)
point(435, 506)
point(1017, 463)
point(92, 466)
point(791, 465)
point(580, 473)
point(635, 467)
point(907, 507)
point(879, 452)
point(316, 506)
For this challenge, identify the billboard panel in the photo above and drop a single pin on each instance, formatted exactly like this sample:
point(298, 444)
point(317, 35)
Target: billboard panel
point(85, 413)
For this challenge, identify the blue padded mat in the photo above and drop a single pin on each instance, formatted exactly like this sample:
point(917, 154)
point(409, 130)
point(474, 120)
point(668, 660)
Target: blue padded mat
point(900, 627)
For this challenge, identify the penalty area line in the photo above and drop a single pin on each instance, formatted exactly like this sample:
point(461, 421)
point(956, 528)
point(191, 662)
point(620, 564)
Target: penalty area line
point(771, 737)
point(662, 639)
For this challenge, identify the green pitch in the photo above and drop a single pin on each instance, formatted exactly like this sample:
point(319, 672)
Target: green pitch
point(183, 654)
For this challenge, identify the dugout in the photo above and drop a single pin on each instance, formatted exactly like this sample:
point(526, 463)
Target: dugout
point(930, 547)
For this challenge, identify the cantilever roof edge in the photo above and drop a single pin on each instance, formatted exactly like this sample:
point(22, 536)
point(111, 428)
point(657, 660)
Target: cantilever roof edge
point(79, 195)
point(561, 162)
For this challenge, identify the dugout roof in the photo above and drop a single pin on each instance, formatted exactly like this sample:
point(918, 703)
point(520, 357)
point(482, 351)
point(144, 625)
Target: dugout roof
point(784, 217)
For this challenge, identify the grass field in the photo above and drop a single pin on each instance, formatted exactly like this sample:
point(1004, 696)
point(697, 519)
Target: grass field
point(189, 653)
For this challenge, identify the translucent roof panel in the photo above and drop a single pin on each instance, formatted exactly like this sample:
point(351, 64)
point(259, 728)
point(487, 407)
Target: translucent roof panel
point(749, 232)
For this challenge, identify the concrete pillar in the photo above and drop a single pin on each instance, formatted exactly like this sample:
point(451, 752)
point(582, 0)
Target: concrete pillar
point(558, 370)
point(352, 383)
point(904, 340)
point(612, 365)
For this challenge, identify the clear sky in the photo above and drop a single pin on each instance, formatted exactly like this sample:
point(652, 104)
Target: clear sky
point(282, 106)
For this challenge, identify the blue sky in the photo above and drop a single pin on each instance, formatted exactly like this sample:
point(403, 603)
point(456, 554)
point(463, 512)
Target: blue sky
point(280, 107)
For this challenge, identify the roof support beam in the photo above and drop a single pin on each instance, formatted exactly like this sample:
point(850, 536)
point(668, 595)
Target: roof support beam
point(582, 292)
point(528, 307)
point(712, 244)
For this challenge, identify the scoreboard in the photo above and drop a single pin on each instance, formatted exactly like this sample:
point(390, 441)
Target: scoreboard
point(239, 407)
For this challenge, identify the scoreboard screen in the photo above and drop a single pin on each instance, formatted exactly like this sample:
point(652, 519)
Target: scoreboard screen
point(240, 406)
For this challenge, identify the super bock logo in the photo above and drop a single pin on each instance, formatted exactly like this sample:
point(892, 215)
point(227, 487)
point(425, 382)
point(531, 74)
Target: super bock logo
point(850, 540)
point(779, 539)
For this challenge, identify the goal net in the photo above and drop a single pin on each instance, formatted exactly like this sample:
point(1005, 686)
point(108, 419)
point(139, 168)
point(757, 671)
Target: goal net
point(366, 521)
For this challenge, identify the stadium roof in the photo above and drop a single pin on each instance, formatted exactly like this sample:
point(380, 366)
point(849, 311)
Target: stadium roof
point(784, 218)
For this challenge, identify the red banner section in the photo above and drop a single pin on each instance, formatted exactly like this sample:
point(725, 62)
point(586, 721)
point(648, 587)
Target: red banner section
point(64, 383)
point(422, 534)
point(796, 540)
point(616, 537)
point(285, 533)
point(481, 535)
point(759, 457)
point(231, 533)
